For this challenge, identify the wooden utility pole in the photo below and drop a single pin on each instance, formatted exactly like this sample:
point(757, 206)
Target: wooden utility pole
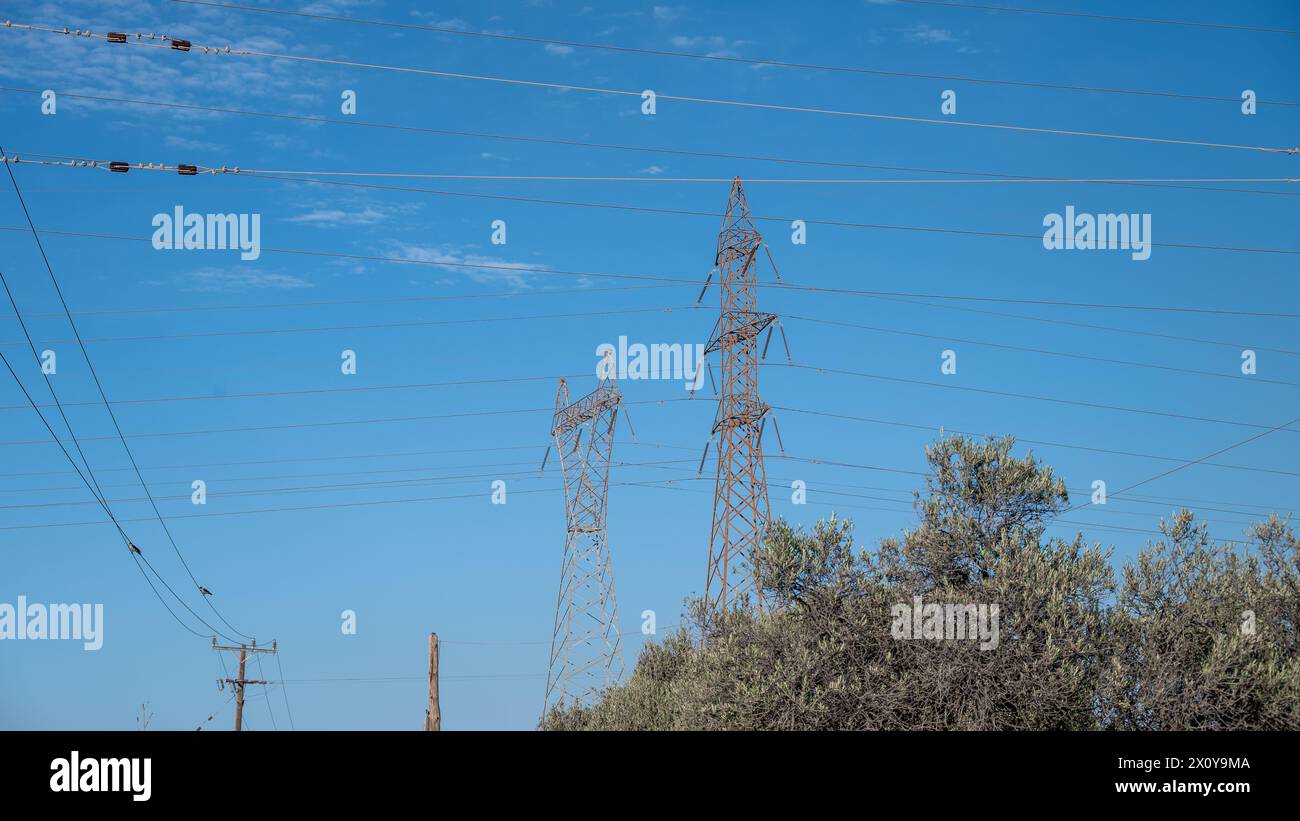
point(239, 683)
point(433, 713)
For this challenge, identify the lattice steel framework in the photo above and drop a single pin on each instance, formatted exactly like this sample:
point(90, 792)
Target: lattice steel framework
point(586, 653)
point(740, 506)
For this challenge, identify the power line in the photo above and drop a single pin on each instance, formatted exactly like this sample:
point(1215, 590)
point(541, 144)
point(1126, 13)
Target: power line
point(819, 488)
point(1014, 395)
point(392, 679)
point(1043, 442)
point(668, 484)
point(285, 691)
point(1054, 303)
point(820, 485)
point(65, 161)
point(797, 410)
point(784, 285)
point(1155, 501)
point(319, 391)
point(1096, 327)
point(512, 269)
point(656, 464)
point(1047, 352)
point(331, 303)
point(430, 480)
point(720, 58)
point(265, 694)
point(543, 642)
point(239, 479)
point(483, 135)
point(1092, 16)
point(712, 215)
point(341, 423)
point(379, 325)
point(91, 483)
point(330, 506)
point(1255, 515)
point(1190, 463)
point(932, 429)
point(1055, 523)
point(174, 44)
point(136, 556)
point(206, 597)
point(215, 712)
point(534, 447)
point(1075, 524)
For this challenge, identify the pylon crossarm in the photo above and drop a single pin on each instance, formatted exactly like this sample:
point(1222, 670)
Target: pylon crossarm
point(601, 400)
point(741, 326)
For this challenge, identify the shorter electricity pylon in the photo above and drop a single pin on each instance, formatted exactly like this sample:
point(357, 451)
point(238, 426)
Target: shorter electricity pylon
point(586, 652)
point(238, 683)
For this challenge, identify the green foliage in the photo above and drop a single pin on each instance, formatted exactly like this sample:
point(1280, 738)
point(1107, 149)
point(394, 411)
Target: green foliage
point(1208, 634)
point(1164, 649)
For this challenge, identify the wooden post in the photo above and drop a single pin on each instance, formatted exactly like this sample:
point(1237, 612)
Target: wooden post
point(433, 714)
point(239, 691)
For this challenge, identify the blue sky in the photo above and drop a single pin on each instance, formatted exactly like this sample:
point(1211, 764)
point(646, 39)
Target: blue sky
point(484, 576)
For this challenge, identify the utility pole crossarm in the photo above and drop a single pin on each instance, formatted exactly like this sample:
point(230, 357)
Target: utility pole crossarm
point(240, 682)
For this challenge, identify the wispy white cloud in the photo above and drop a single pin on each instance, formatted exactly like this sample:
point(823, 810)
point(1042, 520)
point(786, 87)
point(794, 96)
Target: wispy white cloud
point(188, 144)
point(239, 278)
point(433, 18)
point(334, 6)
point(454, 258)
point(558, 50)
point(78, 65)
point(715, 45)
point(925, 33)
point(348, 210)
point(334, 217)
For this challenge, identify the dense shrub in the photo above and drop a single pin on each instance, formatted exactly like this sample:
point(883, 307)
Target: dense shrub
point(1196, 635)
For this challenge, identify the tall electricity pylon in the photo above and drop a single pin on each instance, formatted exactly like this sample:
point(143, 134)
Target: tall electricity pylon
point(740, 506)
point(586, 653)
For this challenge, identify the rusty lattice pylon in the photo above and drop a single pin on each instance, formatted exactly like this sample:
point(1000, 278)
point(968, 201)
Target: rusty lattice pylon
point(740, 506)
point(586, 654)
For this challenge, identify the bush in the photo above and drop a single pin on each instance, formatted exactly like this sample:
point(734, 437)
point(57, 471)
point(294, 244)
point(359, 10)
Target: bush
point(1196, 636)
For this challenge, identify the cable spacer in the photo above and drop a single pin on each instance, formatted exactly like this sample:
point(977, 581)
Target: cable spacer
point(119, 167)
point(181, 45)
point(187, 170)
point(116, 37)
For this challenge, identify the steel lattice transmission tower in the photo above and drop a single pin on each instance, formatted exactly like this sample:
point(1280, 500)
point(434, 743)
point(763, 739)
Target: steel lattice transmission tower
point(740, 506)
point(586, 653)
